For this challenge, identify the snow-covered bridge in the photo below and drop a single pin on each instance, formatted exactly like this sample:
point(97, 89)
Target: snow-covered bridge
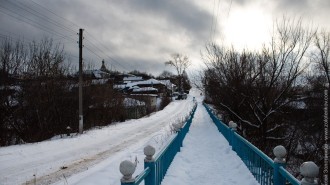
point(208, 157)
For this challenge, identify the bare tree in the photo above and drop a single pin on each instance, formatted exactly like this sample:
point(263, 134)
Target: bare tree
point(13, 57)
point(166, 75)
point(46, 59)
point(34, 107)
point(180, 63)
point(322, 58)
point(257, 89)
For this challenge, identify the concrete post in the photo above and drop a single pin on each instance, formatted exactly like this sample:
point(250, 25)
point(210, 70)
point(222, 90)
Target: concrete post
point(232, 125)
point(149, 151)
point(310, 171)
point(127, 168)
point(149, 161)
point(279, 161)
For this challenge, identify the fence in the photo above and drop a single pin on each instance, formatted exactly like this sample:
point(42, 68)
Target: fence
point(156, 167)
point(264, 169)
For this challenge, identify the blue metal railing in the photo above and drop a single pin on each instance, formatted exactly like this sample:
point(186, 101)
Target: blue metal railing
point(263, 168)
point(155, 170)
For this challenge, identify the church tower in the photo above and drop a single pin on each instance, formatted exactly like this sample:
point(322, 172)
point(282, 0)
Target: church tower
point(103, 68)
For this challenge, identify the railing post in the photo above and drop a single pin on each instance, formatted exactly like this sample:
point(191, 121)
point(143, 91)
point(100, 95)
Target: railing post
point(149, 161)
point(233, 128)
point(177, 129)
point(127, 168)
point(310, 171)
point(280, 153)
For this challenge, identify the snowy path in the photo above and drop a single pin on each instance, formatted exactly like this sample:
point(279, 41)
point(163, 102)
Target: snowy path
point(55, 161)
point(207, 158)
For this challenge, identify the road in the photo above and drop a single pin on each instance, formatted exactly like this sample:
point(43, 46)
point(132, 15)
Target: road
point(50, 161)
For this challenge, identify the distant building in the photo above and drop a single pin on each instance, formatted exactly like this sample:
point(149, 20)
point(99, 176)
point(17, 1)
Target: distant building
point(151, 86)
point(169, 85)
point(103, 68)
point(147, 91)
point(95, 74)
point(134, 108)
point(149, 99)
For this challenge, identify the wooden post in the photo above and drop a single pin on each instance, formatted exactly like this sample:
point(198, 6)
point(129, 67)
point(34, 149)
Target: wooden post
point(81, 117)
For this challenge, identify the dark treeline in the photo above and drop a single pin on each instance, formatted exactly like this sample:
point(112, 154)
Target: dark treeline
point(276, 96)
point(39, 96)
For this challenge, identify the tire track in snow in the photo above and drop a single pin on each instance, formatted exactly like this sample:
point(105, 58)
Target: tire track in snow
point(145, 132)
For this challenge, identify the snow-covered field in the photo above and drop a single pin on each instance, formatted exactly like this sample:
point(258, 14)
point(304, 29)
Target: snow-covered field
point(57, 160)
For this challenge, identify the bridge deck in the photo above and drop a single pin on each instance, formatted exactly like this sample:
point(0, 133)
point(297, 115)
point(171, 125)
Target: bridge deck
point(207, 158)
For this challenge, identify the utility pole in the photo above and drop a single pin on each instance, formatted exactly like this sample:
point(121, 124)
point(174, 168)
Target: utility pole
point(326, 135)
point(81, 117)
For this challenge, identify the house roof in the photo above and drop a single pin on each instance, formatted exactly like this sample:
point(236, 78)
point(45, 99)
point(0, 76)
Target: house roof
point(135, 85)
point(133, 78)
point(143, 89)
point(168, 83)
point(144, 82)
point(96, 72)
point(151, 95)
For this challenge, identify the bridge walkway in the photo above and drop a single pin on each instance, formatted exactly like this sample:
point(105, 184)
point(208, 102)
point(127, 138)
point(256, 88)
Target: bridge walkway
point(207, 158)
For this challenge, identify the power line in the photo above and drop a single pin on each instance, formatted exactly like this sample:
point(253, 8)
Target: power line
point(216, 20)
point(32, 11)
point(9, 38)
point(211, 31)
point(40, 7)
point(67, 36)
point(29, 21)
point(72, 23)
point(14, 12)
point(90, 50)
point(107, 56)
point(25, 12)
point(102, 51)
point(90, 41)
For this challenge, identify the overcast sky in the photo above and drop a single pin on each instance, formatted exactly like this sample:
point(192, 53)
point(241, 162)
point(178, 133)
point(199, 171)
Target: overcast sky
point(141, 34)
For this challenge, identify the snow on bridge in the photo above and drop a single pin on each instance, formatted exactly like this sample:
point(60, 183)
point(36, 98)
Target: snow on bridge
point(207, 158)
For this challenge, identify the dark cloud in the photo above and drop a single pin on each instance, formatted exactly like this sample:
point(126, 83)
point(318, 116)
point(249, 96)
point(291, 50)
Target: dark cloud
point(140, 34)
point(136, 30)
point(178, 14)
point(284, 5)
point(315, 12)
